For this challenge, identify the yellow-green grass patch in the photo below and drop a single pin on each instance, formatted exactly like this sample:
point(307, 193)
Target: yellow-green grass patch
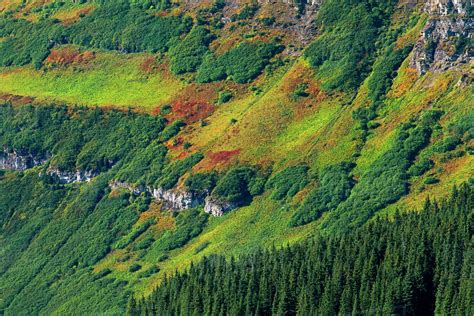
point(110, 80)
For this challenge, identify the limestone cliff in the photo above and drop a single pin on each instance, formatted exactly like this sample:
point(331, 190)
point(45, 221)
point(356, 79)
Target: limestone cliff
point(13, 160)
point(445, 41)
point(179, 199)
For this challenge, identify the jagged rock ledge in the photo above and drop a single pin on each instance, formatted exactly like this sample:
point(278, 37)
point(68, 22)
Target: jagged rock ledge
point(179, 200)
point(67, 177)
point(448, 25)
point(217, 207)
point(13, 160)
point(18, 162)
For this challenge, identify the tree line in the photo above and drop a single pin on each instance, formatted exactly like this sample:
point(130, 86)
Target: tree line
point(415, 263)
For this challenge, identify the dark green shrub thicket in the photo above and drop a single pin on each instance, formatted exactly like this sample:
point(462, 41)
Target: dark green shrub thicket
point(128, 27)
point(96, 140)
point(211, 70)
point(149, 272)
point(335, 184)
point(201, 182)
point(239, 185)
point(121, 26)
point(134, 267)
point(171, 130)
point(241, 63)
point(145, 166)
point(247, 12)
point(186, 55)
point(386, 181)
point(202, 246)
point(345, 50)
point(145, 243)
point(384, 71)
point(464, 127)
point(77, 138)
point(447, 144)
point(175, 170)
point(58, 245)
point(21, 195)
point(102, 273)
point(300, 92)
point(407, 265)
point(130, 237)
point(113, 26)
point(224, 97)
point(420, 167)
point(431, 180)
point(288, 182)
point(27, 43)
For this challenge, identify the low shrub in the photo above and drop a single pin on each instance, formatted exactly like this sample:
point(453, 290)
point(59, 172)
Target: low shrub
point(134, 267)
point(224, 97)
point(288, 182)
point(241, 63)
point(187, 55)
point(234, 185)
point(431, 180)
point(149, 272)
point(421, 167)
point(178, 168)
point(201, 182)
point(335, 185)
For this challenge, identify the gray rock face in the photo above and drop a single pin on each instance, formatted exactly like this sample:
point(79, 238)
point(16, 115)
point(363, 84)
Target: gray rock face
point(444, 7)
point(137, 190)
point(179, 200)
point(66, 177)
point(217, 207)
point(444, 42)
point(17, 162)
point(173, 199)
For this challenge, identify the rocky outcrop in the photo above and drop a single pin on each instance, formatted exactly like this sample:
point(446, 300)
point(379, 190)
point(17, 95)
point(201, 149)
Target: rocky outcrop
point(445, 7)
point(19, 162)
point(218, 207)
point(444, 41)
point(67, 177)
point(179, 200)
point(137, 190)
point(172, 199)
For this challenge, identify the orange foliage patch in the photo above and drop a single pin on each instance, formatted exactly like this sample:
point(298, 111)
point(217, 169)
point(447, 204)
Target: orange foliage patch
point(222, 156)
point(114, 193)
point(67, 56)
point(164, 219)
point(148, 65)
point(190, 111)
point(299, 75)
point(76, 15)
point(16, 100)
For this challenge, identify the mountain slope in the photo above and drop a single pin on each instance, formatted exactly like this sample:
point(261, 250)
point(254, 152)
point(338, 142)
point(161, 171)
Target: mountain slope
point(141, 136)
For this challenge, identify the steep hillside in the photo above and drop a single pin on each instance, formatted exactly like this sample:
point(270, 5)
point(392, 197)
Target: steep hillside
point(140, 136)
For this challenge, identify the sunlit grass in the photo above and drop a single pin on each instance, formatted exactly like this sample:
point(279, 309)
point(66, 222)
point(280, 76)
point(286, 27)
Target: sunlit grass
point(109, 80)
